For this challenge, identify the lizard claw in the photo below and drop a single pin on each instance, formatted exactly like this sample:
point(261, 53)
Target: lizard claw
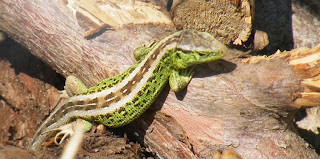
point(65, 130)
point(69, 129)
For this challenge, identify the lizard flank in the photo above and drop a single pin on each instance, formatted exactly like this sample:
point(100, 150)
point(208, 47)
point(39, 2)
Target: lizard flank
point(118, 100)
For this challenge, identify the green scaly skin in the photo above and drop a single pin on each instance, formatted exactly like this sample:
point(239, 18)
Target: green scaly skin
point(174, 54)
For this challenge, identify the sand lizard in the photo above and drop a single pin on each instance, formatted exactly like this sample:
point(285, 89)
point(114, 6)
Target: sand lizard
point(118, 100)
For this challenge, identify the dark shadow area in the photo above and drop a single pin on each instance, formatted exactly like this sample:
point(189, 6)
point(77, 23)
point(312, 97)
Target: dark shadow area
point(22, 61)
point(300, 115)
point(180, 95)
point(311, 6)
point(312, 138)
point(216, 67)
point(169, 5)
point(275, 18)
point(309, 136)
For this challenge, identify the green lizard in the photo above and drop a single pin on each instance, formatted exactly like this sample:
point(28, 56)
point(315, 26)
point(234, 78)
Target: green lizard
point(118, 100)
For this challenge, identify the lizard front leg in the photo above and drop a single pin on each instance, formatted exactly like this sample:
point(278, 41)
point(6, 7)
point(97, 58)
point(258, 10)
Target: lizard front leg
point(179, 79)
point(73, 86)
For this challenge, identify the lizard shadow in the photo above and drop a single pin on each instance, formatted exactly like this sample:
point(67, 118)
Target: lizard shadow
point(215, 68)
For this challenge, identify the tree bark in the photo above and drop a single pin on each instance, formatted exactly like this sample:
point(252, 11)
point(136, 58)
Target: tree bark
point(50, 31)
point(242, 104)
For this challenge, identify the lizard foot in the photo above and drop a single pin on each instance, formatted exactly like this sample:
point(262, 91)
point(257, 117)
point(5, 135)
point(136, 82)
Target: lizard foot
point(69, 129)
point(65, 130)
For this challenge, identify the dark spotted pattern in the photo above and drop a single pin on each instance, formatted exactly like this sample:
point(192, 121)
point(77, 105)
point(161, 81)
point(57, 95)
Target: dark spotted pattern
point(145, 67)
point(90, 107)
point(80, 102)
point(95, 100)
point(135, 99)
point(126, 90)
point(111, 95)
point(117, 99)
point(131, 110)
point(122, 109)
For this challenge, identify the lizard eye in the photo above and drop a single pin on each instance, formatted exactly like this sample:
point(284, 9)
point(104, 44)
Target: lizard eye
point(202, 53)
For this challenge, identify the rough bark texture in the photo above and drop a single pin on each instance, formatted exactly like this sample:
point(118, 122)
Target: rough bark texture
point(230, 104)
point(229, 21)
point(50, 31)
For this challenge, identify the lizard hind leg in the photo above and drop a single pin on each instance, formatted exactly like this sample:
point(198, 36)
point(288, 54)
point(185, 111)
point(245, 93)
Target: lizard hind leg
point(73, 86)
point(69, 129)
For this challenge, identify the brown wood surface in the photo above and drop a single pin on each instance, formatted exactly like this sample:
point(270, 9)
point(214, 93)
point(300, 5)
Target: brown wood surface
point(230, 104)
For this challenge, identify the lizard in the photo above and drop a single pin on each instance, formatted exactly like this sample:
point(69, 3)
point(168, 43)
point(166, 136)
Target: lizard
point(118, 100)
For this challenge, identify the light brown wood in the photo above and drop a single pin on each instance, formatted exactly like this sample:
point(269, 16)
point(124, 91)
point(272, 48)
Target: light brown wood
point(230, 21)
point(51, 32)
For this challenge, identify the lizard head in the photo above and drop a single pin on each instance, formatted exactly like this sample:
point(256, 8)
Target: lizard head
point(196, 47)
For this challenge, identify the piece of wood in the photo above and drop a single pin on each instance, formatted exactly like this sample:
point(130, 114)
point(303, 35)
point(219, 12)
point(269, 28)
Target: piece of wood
point(246, 105)
point(51, 32)
point(230, 21)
